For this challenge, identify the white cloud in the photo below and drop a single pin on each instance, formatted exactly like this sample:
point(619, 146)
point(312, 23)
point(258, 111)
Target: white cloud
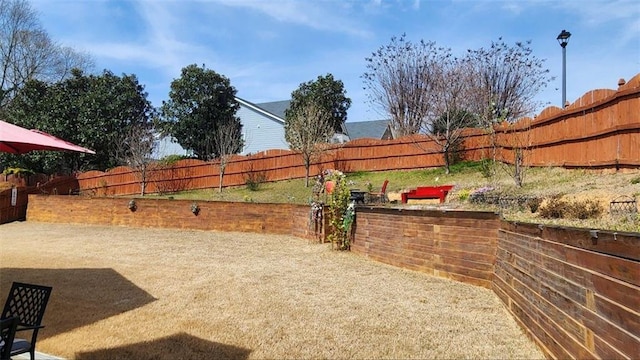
point(161, 45)
point(513, 7)
point(624, 14)
point(325, 16)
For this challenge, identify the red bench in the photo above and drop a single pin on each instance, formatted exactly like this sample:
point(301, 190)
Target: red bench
point(427, 192)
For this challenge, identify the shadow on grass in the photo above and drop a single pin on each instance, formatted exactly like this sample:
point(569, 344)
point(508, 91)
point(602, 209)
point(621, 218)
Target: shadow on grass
point(178, 346)
point(79, 297)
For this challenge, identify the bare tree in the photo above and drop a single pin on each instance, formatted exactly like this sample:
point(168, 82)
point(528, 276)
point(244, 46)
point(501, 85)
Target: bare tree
point(225, 141)
point(450, 99)
point(308, 131)
point(400, 79)
point(505, 80)
point(426, 90)
point(318, 110)
point(516, 150)
point(135, 149)
point(67, 59)
point(27, 52)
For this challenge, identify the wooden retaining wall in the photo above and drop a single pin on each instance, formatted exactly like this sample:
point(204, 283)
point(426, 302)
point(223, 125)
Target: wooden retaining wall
point(286, 219)
point(459, 245)
point(574, 291)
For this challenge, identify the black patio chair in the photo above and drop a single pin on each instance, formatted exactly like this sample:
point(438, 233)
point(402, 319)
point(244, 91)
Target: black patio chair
point(27, 302)
point(8, 328)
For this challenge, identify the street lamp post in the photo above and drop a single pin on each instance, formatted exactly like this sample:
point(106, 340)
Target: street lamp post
point(563, 40)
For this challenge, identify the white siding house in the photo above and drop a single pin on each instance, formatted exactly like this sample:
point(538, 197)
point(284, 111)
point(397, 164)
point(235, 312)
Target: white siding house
point(262, 129)
point(166, 146)
point(262, 125)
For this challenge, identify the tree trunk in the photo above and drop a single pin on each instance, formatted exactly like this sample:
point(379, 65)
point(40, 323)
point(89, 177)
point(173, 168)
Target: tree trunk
point(143, 182)
point(307, 165)
point(518, 164)
point(221, 177)
point(447, 162)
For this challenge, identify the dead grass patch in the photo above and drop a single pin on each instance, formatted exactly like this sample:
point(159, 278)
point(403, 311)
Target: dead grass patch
point(164, 294)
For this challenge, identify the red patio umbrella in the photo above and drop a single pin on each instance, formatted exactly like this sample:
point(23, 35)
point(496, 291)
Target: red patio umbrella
point(17, 140)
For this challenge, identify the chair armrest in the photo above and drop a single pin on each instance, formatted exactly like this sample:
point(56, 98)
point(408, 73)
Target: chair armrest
point(27, 328)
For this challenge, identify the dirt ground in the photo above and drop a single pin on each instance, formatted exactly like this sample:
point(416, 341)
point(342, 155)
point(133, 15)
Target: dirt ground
point(165, 294)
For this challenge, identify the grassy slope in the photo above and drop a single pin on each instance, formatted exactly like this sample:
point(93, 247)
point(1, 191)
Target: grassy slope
point(467, 177)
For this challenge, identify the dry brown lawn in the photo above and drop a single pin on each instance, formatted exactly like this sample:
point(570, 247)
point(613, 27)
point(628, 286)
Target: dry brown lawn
point(172, 294)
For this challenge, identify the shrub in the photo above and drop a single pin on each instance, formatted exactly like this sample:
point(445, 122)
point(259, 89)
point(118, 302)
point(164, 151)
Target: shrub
point(557, 208)
point(586, 209)
point(463, 194)
point(17, 171)
point(487, 168)
point(635, 180)
point(369, 186)
point(553, 208)
point(341, 212)
point(254, 178)
point(534, 204)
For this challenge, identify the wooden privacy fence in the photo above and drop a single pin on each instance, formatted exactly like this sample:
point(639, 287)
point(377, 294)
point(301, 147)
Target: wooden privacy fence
point(13, 204)
point(600, 130)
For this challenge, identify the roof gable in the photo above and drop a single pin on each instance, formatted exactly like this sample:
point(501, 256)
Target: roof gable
point(367, 129)
point(276, 108)
point(269, 112)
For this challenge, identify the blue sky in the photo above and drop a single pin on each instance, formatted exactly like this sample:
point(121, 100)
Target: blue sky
point(267, 48)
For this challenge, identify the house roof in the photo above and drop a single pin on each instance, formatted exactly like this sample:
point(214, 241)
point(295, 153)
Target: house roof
point(271, 110)
point(367, 129)
point(355, 130)
point(276, 108)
